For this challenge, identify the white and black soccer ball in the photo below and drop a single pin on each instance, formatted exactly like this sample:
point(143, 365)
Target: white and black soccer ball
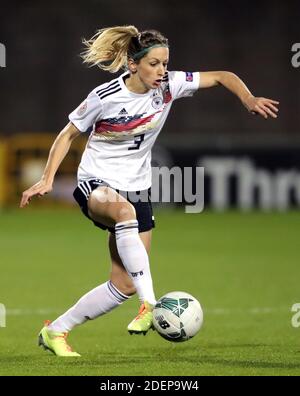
point(177, 316)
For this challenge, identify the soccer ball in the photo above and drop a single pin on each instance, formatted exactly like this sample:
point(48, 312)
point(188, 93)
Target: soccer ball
point(177, 316)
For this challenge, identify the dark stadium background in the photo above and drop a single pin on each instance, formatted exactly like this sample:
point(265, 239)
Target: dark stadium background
point(45, 79)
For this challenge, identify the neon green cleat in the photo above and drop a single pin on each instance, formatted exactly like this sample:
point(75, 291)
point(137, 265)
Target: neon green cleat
point(55, 342)
point(143, 322)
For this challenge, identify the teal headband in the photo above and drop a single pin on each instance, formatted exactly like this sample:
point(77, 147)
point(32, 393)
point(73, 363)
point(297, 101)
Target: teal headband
point(144, 51)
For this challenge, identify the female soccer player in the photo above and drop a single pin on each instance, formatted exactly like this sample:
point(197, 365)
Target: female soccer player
point(124, 118)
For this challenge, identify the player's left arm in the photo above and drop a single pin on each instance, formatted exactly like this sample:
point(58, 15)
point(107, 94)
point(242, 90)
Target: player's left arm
point(263, 106)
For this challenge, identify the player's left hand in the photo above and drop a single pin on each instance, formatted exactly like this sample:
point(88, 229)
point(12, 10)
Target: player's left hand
point(262, 106)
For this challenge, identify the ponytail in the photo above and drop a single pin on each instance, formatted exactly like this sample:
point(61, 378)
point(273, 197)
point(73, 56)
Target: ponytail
point(108, 48)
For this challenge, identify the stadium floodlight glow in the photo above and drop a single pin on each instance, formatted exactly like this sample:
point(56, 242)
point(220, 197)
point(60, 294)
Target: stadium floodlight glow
point(2, 55)
point(2, 315)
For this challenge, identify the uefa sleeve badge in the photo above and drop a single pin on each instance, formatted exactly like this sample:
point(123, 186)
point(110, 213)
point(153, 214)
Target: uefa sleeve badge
point(82, 109)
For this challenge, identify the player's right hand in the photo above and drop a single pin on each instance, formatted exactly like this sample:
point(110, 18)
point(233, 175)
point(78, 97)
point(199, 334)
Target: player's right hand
point(41, 188)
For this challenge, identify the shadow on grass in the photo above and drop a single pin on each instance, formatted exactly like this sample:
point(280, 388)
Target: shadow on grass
point(165, 356)
point(113, 361)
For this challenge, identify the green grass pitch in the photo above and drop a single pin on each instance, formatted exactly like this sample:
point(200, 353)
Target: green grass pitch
point(244, 269)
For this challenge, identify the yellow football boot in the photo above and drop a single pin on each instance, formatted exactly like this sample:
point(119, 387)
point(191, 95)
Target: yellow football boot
point(55, 342)
point(143, 322)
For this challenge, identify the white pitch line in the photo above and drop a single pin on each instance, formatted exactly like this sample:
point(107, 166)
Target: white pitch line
point(27, 312)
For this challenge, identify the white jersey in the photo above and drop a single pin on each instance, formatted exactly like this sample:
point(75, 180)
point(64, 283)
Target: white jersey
point(124, 126)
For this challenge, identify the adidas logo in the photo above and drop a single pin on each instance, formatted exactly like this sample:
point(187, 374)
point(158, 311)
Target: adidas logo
point(123, 112)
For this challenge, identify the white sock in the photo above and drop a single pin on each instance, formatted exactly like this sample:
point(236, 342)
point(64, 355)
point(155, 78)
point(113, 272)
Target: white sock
point(95, 303)
point(135, 259)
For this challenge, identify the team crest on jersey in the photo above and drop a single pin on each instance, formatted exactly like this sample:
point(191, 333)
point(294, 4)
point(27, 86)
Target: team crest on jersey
point(82, 108)
point(157, 102)
point(167, 94)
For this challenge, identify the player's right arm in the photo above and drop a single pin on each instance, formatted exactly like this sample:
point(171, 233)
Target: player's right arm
point(57, 153)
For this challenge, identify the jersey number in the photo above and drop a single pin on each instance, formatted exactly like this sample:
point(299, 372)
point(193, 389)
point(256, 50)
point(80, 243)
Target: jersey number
point(138, 140)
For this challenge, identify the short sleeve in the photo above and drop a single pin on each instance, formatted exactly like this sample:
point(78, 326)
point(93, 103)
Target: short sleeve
point(87, 113)
point(183, 84)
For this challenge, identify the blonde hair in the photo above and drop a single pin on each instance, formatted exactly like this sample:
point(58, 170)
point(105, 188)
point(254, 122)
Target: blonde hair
point(110, 48)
